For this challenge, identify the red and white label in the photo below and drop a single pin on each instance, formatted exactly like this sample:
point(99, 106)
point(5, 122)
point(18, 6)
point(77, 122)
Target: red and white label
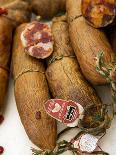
point(37, 39)
point(67, 112)
point(86, 143)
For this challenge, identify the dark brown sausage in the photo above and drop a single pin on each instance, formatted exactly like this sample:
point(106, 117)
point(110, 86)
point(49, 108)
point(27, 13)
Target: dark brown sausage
point(6, 31)
point(47, 8)
point(113, 39)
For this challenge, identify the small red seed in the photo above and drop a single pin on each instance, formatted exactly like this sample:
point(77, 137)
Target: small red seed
point(1, 119)
point(1, 149)
point(3, 11)
point(38, 115)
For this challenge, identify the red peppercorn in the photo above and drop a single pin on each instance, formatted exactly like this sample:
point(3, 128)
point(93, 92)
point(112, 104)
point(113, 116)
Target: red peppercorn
point(1, 149)
point(3, 11)
point(1, 119)
point(38, 115)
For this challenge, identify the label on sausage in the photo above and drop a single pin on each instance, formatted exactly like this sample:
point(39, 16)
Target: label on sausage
point(37, 39)
point(86, 143)
point(67, 112)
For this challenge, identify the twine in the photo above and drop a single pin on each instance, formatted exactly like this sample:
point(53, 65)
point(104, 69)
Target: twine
point(76, 17)
point(27, 71)
point(64, 146)
point(4, 68)
point(56, 58)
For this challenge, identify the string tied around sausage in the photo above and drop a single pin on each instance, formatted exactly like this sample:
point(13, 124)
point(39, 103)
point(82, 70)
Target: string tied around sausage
point(27, 71)
point(56, 58)
point(64, 146)
point(5, 68)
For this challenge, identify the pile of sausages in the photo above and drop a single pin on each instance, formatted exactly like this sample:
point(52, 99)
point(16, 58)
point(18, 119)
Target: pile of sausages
point(54, 61)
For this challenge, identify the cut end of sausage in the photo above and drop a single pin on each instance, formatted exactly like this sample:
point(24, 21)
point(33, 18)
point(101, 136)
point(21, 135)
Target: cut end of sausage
point(37, 40)
point(99, 13)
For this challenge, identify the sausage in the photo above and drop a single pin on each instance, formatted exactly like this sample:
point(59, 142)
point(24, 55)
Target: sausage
point(31, 92)
point(18, 10)
point(6, 31)
point(47, 8)
point(87, 42)
point(99, 13)
point(66, 80)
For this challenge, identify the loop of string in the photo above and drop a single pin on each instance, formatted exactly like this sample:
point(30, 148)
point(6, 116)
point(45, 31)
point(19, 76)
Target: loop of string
point(76, 17)
point(27, 71)
point(55, 58)
point(4, 68)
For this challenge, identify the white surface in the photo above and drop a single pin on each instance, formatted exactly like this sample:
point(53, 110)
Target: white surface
point(15, 141)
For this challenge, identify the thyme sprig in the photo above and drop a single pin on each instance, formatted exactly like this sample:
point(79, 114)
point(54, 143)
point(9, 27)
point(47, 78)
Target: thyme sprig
point(108, 71)
point(64, 146)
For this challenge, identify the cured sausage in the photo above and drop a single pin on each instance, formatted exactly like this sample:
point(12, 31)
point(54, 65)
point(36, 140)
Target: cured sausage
point(66, 81)
point(31, 93)
point(6, 32)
